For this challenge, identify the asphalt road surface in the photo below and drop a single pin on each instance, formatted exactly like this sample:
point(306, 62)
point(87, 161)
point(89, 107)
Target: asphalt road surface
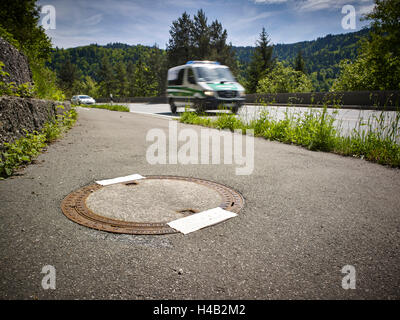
point(306, 216)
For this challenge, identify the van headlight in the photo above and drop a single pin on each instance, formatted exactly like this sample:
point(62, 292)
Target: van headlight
point(209, 93)
point(242, 93)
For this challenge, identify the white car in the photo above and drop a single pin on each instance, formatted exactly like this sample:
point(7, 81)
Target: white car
point(82, 100)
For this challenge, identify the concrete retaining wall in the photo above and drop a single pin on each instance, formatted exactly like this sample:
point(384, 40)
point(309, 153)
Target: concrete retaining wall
point(17, 114)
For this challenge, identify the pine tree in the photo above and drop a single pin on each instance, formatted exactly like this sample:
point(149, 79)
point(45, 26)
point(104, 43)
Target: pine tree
point(219, 50)
point(261, 62)
point(121, 79)
point(145, 82)
point(197, 40)
point(130, 71)
point(180, 44)
point(68, 75)
point(157, 61)
point(201, 36)
point(106, 78)
point(299, 64)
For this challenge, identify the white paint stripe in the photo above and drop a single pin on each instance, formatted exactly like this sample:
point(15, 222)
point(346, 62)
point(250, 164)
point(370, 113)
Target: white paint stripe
point(155, 115)
point(201, 220)
point(120, 179)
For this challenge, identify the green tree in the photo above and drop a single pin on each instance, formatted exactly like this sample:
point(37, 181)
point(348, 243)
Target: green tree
point(130, 71)
point(106, 78)
point(283, 79)
point(21, 19)
point(157, 59)
point(197, 40)
point(299, 64)
point(19, 25)
point(180, 44)
point(121, 79)
point(219, 49)
point(90, 87)
point(377, 66)
point(261, 62)
point(201, 36)
point(68, 75)
point(145, 83)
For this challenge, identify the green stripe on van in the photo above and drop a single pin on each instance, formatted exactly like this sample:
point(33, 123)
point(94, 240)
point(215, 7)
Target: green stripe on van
point(192, 91)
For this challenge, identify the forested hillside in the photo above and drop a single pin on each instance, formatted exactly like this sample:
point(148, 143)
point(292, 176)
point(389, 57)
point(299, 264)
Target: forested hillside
point(88, 59)
point(321, 56)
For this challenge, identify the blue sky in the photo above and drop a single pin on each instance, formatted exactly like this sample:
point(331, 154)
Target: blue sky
point(147, 22)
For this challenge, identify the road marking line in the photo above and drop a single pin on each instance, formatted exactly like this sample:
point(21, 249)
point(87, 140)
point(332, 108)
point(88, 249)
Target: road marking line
point(120, 179)
point(155, 115)
point(201, 220)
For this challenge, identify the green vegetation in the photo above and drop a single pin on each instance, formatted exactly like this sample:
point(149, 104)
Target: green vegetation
point(116, 69)
point(377, 66)
point(139, 71)
point(284, 79)
point(197, 40)
point(363, 60)
point(19, 26)
point(27, 148)
point(374, 139)
point(24, 90)
point(321, 57)
point(261, 62)
point(112, 107)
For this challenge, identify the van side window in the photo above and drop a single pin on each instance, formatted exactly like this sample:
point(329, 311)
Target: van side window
point(175, 77)
point(179, 81)
point(191, 78)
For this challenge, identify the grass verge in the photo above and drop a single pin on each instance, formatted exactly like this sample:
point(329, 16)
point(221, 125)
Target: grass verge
point(112, 107)
point(374, 139)
point(27, 148)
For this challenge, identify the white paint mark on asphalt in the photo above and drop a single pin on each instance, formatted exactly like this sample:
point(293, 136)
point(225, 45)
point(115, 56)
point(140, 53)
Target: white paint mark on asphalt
point(201, 220)
point(120, 179)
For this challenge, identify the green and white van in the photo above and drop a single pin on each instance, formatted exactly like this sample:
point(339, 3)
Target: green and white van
point(204, 85)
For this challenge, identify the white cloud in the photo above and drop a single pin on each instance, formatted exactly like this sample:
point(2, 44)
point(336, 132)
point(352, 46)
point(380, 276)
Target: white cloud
point(249, 19)
point(366, 9)
point(93, 20)
point(316, 5)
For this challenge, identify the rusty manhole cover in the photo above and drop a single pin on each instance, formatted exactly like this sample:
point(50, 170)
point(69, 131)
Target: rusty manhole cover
point(145, 206)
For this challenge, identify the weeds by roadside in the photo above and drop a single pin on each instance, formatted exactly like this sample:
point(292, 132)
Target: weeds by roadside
point(27, 148)
point(376, 139)
point(112, 107)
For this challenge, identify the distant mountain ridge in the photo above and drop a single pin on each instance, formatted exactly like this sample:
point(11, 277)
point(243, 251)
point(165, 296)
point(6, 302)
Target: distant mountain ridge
point(322, 56)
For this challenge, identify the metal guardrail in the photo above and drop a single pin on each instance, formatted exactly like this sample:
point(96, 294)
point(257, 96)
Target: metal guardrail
point(375, 100)
point(369, 100)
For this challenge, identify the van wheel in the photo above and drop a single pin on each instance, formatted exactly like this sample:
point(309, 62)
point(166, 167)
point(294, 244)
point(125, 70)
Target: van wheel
point(172, 106)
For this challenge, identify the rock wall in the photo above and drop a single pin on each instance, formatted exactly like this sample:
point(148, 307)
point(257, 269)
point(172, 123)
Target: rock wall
point(16, 64)
point(17, 114)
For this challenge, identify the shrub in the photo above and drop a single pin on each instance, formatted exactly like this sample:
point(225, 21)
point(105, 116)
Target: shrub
point(25, 149)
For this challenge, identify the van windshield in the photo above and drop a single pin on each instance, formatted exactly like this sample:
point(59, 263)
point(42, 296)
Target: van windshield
point(214, 74)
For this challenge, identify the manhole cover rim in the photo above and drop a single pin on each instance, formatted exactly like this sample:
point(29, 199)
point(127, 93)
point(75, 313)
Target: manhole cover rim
point(74, 208)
